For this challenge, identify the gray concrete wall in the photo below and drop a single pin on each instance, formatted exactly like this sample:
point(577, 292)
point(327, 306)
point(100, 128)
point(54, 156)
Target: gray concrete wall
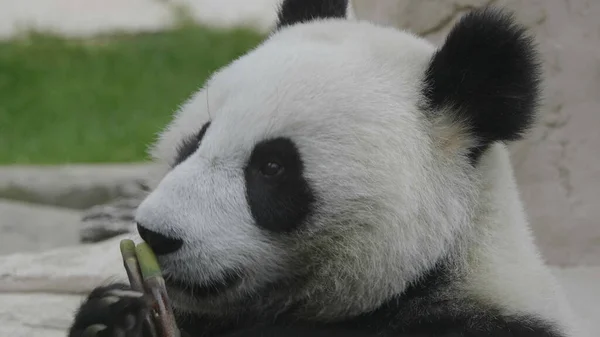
point(558, 166)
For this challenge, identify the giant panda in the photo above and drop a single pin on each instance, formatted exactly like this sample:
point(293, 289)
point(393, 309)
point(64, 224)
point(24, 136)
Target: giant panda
point(349, 179)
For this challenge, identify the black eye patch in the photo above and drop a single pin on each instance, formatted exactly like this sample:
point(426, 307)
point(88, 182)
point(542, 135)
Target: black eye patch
point(279, 197)
point(189, 145)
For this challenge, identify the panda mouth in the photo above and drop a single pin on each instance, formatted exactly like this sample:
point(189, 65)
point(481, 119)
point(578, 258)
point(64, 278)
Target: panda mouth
point(207, 289)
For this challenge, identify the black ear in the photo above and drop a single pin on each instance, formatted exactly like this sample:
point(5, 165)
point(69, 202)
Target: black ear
point(487, 74)
point(298, 11)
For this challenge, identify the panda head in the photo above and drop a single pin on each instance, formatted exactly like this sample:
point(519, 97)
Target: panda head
point(335, 163)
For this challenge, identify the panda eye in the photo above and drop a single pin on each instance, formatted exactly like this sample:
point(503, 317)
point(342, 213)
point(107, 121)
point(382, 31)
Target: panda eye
point(271, 169)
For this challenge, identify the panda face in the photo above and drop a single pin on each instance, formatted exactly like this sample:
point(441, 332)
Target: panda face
point(311, 170)
point(303, 157)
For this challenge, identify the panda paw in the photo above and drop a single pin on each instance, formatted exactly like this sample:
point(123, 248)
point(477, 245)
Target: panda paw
point(111, 311)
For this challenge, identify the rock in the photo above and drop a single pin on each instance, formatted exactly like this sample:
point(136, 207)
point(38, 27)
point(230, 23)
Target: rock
point(37, 314)
point(68, 270)
point(79, 19)
point(108, 220)
point(256, 14)
point(558, 166)
point(20, 330)
point(29, 228)
point(424, 18)
point(582, 288)
point(69, 18)
point(75, 186)
point(39, 292)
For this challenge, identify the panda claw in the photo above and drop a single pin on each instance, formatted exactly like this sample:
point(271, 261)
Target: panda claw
point(125, 293)
point(93, 330)
point(111, 311)
point(109, 300)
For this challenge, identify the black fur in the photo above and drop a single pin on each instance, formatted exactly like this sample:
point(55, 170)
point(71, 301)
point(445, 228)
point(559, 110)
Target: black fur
point(190, 145)
point(282, 202)
point(488, 74)
point(477, 325)
point(229, 279)
point(293, 12)
point(422, 311)
point(113, 317)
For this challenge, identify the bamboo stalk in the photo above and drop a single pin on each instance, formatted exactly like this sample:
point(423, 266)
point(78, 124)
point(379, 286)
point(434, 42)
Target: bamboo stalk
point(132, 267)
point(155, 286)
point(145, 276)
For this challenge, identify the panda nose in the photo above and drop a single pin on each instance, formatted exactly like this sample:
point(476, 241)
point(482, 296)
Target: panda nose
point(160, 244)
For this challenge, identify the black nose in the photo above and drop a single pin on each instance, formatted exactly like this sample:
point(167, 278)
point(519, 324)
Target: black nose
point(159, 243)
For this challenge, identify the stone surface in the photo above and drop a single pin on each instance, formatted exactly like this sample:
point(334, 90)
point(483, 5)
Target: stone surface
point(92, 17)
point(108, 220)
point(258, 14)
point(69, 270)
point(37, 314)
point(81, 18)
point(582, 288)
point(39, 292)
point(30, 228)
point(558, 167)
point(74, 186)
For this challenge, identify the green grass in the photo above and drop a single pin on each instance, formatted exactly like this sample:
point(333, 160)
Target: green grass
point(102, 100)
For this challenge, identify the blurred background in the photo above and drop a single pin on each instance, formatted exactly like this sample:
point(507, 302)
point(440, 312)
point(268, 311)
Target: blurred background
point(86, 85)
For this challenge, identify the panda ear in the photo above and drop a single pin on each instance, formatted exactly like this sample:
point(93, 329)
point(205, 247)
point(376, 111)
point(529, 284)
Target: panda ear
point(487, 76)
point(293, 12)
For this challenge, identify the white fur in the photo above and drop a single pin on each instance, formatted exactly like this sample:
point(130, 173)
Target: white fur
point(396, 187)
point(505, 266)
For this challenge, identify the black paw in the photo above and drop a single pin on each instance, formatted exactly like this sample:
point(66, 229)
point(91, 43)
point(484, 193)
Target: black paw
point(111, 311)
